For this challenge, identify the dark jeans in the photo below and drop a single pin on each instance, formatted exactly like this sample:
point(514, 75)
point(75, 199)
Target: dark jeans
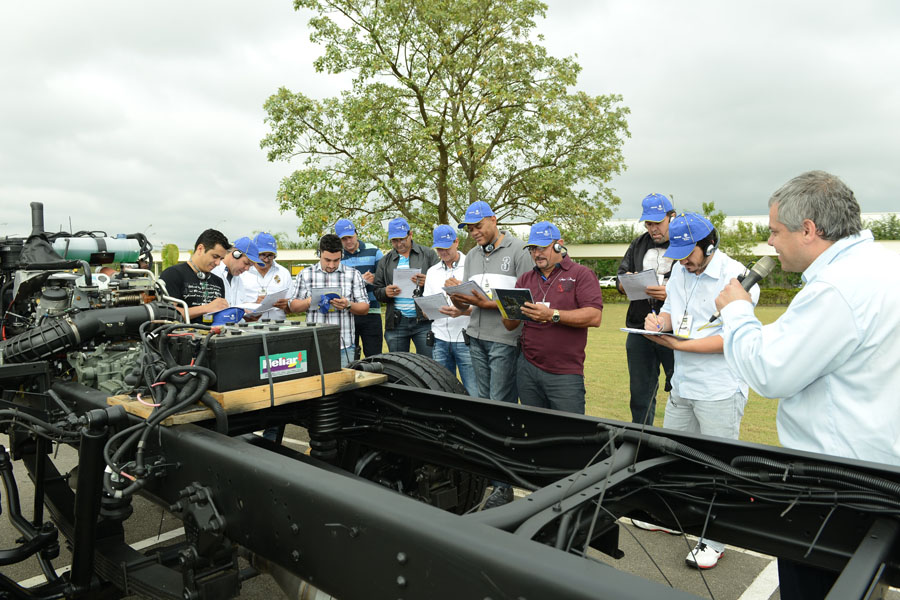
point(406, 330)
point(495, 369)
point(549, 390)
point(644, 360)
point(797, 581)
point(368, 329)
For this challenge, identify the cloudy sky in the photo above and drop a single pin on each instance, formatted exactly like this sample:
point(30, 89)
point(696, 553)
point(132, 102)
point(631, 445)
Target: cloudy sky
point(147, 116)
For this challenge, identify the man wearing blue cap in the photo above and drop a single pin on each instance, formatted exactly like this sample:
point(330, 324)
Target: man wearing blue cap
point(567, 300)
point(239, 258)
point(707, 396)
point(647, 252)
point(403, 321)
point(193, 281)
point(497, 260)
point(450, 348)
point(259, 282)
point(364, 258)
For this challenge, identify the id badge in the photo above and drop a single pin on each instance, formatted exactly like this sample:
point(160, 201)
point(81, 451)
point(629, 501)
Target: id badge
point(262, 291)
point(684, 328)
point(208, 318)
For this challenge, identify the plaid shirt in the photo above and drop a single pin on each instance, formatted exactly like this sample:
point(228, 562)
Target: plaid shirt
point(352, 286)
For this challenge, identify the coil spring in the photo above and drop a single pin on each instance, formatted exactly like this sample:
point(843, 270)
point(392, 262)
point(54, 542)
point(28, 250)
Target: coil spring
point(129, 298)
point(325, 422)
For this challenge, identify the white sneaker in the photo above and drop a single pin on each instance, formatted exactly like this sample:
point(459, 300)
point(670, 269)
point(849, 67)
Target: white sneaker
point(651, 527)
point(703, 557)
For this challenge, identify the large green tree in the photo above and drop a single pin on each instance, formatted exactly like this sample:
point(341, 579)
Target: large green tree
point(451, 102)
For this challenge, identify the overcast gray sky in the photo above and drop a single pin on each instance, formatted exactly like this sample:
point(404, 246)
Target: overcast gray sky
point(128, 116)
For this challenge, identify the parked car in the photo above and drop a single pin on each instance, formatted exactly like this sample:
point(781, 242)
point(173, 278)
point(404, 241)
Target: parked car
point(608, 281)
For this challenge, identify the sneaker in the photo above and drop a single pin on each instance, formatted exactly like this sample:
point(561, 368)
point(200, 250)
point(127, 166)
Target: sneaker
point(499, 497)
point(651, 527)
point(703, 557)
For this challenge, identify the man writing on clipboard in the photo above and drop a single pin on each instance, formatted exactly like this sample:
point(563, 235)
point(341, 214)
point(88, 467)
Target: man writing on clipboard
point(644, 357)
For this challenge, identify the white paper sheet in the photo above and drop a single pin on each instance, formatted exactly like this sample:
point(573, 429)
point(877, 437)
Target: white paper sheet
point(431, 306)
point(403, 280)
point(635, 284)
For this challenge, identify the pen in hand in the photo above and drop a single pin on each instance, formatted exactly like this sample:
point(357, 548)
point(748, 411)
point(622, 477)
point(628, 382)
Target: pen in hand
point(658, 322)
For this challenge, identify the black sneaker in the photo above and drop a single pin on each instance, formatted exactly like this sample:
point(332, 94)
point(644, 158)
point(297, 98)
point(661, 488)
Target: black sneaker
point(499, 497)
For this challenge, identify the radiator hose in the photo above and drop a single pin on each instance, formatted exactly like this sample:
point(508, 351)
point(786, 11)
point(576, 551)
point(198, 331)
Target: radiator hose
point(58, 335)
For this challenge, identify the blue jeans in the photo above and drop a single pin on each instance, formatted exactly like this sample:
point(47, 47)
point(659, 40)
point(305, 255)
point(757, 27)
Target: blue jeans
point(406, 330)
point(541, 388)
point(495, 370)
point(455, 355)
point(644, 360)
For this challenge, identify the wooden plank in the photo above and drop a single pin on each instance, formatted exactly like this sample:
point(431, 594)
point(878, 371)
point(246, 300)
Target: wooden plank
point(258, 397)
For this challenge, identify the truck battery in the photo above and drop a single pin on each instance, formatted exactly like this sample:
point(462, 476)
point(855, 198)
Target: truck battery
point(239, 360)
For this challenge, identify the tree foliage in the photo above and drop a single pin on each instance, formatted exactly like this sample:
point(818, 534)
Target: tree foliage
point(451, 102)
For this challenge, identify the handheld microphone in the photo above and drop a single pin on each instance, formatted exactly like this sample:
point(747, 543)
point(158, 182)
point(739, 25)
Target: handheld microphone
point(759, 270)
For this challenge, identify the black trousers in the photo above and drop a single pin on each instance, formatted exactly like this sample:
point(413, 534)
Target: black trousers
point(368, 329)
point(644, 359)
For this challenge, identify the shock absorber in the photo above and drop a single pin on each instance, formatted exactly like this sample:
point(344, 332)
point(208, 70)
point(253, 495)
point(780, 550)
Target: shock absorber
point(325, 422)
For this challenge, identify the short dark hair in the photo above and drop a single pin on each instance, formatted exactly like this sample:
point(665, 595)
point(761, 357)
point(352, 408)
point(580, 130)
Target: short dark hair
point(212, 238)
point(711, 239)
point(330, 243)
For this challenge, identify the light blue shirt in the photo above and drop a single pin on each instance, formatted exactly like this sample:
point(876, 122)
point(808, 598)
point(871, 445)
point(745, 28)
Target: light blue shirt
point(703, 376)
point(833, 357)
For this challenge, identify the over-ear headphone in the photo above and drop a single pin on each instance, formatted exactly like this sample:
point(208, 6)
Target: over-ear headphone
point(714, 246)
point(557, 248)
point(237, 253)
point(200, 274)
point(488, 248)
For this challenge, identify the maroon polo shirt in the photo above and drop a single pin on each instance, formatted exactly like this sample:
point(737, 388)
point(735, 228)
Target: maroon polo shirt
point(555, 347)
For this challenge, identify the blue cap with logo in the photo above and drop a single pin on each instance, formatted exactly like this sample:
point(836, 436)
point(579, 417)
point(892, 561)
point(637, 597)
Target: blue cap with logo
point(476, 212)
point(344, 227)
point(543, 234)
point(246, 246)
point(655, 208)
point(398, 228)
point(685, 231)
point(444, 236)
point(265, 242)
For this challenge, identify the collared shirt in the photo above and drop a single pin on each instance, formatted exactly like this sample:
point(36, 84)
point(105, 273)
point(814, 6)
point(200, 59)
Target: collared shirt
point(554, 347)
point(449, 329)
point(509, 261)
point(255, 284)
point(352, 287)
point(833, 357)
point(234, 288)
point(365, 260)
point(703, 376)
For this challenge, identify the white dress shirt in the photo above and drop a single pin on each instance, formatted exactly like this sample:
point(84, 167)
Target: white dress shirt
point(234, 289)
point(833, 357)
point(449, 329)
point(703, 376)
point(276, 279)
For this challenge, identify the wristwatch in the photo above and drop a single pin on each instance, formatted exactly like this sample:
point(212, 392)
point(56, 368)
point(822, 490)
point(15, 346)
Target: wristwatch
point(555, 318)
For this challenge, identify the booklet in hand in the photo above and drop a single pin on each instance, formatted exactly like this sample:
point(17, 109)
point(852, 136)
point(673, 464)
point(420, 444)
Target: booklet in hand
point(510, 302)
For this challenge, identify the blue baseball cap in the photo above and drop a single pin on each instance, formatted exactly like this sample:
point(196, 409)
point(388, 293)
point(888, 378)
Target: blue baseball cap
point(265, 242)
point(655, 208)
point(543, 234)
point(398, 228)
point(246, 246)
point(476, 212)
point(444, 236)
point(685, 231)
point(344, 227)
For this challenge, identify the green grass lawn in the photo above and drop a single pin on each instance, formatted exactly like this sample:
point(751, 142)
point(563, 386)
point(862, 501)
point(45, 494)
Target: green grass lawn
point(606, 378)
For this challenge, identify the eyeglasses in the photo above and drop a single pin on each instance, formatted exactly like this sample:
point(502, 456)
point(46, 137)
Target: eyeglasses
point(266, 255)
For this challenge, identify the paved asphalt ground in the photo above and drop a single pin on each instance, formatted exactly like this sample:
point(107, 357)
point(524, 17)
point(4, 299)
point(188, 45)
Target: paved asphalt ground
point(740, 575)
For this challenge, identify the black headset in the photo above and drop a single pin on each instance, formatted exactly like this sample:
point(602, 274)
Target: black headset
point(488, 248)
point(237, 253)
point(557, 248)
point(200, 274)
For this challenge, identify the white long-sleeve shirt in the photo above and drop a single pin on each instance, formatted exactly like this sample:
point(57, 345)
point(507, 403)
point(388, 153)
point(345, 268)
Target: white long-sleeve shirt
point(702, 376)
point(833, 357)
